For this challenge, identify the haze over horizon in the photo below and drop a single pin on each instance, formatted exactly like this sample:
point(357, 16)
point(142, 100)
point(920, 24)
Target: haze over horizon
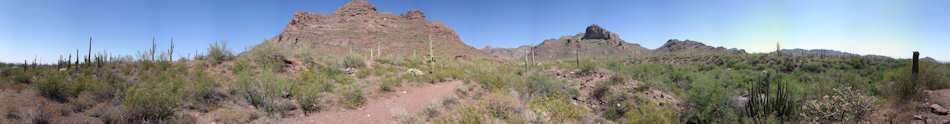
point(48, 29)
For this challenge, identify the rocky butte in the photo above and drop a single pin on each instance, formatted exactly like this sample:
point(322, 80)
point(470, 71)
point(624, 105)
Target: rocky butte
point(594, 42)
point(357, 28)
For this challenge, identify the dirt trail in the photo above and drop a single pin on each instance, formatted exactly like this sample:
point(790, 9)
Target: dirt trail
point(383, 110)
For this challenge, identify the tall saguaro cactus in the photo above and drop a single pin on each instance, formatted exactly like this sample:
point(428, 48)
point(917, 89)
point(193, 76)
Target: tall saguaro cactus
point(77, 58)
point(152, 51)
point(171, 50)
point(431, 54)
point(577, 53)
point(526, 53)
point(916, 68)
point(89, 51)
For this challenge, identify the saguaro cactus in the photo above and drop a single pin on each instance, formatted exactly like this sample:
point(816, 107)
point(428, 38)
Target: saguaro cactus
point(171, 50)
point(916, 66)
point(89, 51)
point(577, 53)
point(77, 58)
point(526, 53)
point(431, 54)
point(152, 51)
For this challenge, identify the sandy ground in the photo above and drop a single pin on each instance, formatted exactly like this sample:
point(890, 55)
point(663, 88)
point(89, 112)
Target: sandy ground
point(382, 110)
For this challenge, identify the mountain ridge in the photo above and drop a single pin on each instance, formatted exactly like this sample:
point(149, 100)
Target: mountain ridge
point(357, 28)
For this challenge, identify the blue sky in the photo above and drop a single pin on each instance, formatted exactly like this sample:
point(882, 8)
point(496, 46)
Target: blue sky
point(47, 29)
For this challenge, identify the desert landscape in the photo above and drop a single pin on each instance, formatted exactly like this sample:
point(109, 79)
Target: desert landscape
point(359, 65)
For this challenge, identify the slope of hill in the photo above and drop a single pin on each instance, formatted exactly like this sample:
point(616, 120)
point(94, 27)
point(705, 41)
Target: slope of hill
point(508, 53)
point(689, 46)
point(595, 41)
point(818, 51)
point(358, 27)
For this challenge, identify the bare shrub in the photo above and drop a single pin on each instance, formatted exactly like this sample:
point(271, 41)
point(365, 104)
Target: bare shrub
point(844, 104)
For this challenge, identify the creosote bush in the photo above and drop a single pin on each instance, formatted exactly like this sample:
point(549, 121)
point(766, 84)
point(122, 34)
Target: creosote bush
point(154, 98)
point(263, 90)
point(648, 113)
point(53, 87)
point(547, 85)
point(218, 51)
point(560, 108)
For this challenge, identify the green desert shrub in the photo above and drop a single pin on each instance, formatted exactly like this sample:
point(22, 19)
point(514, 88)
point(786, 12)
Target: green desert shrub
point(263, 90)
point(902, 83)
point(83, 84)
point(201, 86)
point(218, 51)
point(712, 102)
point(617, 106)
point(53, 87)
point(22, 77)
point(601, 91)
point(493, 80)
point(502, 106)
point(813, 66)
point(153, 99)
point(312, 88)
point(560, 108)
point(269, 56)
point(353, 96)
point(310, 95)
point(649, 113)
point(546, 85)
point(353, 61)
point(322, 81)
point(468, 115)
point(389, 83)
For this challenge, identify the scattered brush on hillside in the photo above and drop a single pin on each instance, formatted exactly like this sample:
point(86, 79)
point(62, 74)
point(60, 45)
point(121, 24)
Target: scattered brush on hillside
point(902, 83)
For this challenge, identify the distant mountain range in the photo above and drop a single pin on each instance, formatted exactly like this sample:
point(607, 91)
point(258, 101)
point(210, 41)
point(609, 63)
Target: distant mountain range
point(598, 41)
point(358, 28)
point(840, 53)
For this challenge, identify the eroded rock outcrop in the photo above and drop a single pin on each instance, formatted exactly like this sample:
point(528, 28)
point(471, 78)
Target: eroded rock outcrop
point(415, 15)
point(356, 8)
point(357, 28)
point(594, 42)
point(596, 32)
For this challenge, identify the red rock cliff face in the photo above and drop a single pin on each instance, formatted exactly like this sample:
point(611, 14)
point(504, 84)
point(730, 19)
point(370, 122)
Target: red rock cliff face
point(358, 28)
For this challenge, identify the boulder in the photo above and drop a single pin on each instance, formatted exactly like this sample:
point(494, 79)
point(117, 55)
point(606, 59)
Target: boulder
point(937, 109)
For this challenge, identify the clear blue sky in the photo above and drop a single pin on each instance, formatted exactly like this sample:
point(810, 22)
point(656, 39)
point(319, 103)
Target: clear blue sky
point(49, 28)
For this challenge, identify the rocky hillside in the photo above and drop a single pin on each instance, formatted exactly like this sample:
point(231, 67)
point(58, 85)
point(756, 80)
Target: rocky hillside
point(594, 42)
point(689, 46)
point(508, 53)
point(358, 28)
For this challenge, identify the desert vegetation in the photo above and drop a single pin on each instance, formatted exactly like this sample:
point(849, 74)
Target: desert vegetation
point(309, 72)
point(709, 88)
